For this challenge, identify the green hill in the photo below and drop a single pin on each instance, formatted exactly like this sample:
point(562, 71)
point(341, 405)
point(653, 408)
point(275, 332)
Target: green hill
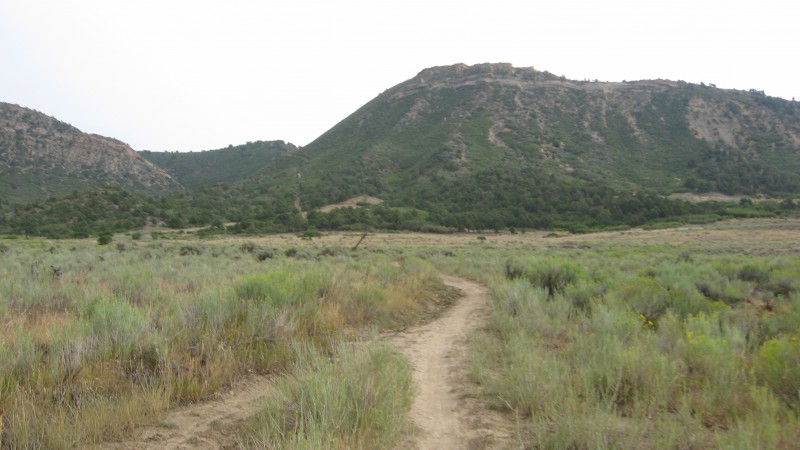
point(491, 145)
point(205, 168)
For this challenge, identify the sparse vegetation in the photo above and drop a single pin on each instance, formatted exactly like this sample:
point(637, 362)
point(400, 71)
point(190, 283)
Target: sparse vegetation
point(633, 339)
point(639, 345)
point(96, 341)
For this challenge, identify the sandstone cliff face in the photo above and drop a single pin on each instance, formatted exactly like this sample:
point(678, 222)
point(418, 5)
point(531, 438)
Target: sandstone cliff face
point(41, 156)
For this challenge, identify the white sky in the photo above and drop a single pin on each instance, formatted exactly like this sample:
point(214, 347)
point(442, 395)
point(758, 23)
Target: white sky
point(195, 75)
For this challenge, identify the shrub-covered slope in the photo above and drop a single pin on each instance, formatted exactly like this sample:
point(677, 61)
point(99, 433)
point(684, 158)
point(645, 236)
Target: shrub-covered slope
point(476, 145)
point(483, 147)
point(225, 165)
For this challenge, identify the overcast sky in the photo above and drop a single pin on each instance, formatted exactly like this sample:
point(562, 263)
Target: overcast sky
point(195, 75)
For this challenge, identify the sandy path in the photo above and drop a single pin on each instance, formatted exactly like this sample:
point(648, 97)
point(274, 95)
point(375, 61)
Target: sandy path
point(206, 425)
point(447, 416)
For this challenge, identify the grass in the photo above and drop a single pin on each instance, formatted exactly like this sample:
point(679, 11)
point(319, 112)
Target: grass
point(640, 344)
point(355, 398)
point(675, 338)
point(96, 340)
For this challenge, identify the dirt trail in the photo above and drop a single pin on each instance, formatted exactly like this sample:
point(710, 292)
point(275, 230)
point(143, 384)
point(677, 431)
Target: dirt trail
point(207, 425)
point(447, 416)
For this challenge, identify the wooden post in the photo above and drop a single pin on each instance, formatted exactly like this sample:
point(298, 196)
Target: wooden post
point(359, 241)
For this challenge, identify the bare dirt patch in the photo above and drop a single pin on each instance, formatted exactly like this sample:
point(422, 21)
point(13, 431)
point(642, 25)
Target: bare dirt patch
point(353, 203)
point(713, 122)
point(709, 197)
point(447, 416)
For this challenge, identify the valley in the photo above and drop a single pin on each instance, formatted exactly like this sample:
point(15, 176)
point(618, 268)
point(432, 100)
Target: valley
point(480, 257)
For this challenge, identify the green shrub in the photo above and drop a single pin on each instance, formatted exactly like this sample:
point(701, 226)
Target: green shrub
point(189, 250)
point(309, 234)
point(290, 286)
point(514, 268)
point(778, 366)
point(295, 253)
point(645, 297)
point(264, 255)
point(753, 273)
point(263, 288)
point(583, 293)
point(117, 324)
point(730, 292)
point(104, 239)
point(517, 297)
point(552, 275)
point(533, 382)
point(625, 375)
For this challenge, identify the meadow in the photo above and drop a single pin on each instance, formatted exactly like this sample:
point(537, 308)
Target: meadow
point(683, 339)
point(96, 340)
point(680, 338)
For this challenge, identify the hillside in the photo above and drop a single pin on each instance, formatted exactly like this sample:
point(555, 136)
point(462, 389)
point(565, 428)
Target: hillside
point(196, 169)
point(454, 148)
point(41, 156)
point(473, 146)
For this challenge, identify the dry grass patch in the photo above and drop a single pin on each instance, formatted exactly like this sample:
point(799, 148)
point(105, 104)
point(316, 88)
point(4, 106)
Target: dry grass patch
point(117, 337)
